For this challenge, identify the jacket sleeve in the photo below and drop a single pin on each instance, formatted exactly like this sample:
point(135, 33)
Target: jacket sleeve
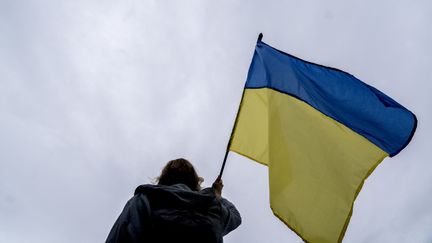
point(133, 223)
point(231, 218)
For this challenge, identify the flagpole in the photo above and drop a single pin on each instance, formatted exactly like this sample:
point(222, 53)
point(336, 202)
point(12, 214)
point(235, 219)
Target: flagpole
point(230, 139)
point(260, 36)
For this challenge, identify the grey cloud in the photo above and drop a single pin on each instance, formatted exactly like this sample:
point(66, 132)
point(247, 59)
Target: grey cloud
point(96, 96)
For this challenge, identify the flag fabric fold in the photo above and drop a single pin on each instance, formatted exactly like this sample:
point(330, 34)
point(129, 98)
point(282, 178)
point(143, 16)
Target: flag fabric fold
point(321, 132)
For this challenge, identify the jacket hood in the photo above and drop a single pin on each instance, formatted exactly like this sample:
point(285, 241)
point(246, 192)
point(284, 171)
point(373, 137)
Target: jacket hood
point(178, 194)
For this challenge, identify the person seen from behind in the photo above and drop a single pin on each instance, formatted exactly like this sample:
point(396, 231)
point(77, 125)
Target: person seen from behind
point(176, 210)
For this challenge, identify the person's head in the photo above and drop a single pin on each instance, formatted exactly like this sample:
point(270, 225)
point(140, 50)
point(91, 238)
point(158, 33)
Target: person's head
point(180, 171)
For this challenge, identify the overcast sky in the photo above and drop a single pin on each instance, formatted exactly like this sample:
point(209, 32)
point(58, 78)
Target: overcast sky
point(96, 96)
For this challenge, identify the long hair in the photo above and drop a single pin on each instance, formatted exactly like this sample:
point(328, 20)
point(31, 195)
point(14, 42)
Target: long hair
point(179, 171)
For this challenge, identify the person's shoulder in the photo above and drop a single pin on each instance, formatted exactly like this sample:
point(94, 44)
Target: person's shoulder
point(143, 188)
point(208, 191)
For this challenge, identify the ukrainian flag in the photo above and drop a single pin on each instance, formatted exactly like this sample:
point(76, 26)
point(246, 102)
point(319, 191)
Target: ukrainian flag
point(321, 132)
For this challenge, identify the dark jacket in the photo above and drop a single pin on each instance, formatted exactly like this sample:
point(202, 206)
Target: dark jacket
point(174, 214)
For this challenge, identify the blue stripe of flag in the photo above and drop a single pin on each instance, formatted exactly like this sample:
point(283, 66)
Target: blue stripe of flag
point(337, 94)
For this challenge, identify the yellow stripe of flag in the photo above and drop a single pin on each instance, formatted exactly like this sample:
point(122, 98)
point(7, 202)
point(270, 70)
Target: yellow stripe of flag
point(316, 164)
